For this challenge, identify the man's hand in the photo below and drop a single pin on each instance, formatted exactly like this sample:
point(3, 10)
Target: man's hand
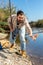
point(35, 36)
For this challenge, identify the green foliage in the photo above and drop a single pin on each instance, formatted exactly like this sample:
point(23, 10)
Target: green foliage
point(3, 23)
point(4, 14)
point(2, 30)
point(38, 23)
point(5, 11)
point(4, 27)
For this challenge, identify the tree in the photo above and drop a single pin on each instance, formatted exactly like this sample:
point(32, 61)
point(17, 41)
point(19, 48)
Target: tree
point(5, 10)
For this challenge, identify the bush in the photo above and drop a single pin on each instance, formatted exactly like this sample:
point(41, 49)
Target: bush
point(4, 27)
point(2, 30)
point(3, 23)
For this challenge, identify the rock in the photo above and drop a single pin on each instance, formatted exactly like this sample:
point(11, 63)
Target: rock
point(12, 58)
point(7, 58)
point(5, 43)
point(2, 35)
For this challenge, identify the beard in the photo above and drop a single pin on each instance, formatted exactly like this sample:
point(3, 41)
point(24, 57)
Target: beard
point(20, 21)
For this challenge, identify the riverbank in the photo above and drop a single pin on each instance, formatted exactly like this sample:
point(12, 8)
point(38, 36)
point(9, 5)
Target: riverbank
point(7, 58)
point(11, 58)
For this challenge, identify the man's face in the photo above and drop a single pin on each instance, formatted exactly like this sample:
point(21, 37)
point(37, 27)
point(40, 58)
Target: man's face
point(20, 18)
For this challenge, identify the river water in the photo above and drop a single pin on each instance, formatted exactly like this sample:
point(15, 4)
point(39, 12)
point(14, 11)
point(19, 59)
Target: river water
point(35, 48)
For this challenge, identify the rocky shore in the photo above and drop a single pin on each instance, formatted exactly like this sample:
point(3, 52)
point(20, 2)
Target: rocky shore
point(12, 58)
point(7, 58)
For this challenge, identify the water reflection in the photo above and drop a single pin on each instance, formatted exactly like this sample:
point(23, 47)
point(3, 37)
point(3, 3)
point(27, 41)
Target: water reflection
point(35, 47)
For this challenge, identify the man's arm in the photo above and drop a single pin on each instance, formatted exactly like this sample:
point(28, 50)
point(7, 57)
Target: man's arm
point(30, 30)
point(9, 24)
point(28, 27)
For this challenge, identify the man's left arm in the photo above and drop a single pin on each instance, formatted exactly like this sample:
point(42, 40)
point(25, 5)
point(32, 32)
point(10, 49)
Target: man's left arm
point(30, 30)
point(28, 27)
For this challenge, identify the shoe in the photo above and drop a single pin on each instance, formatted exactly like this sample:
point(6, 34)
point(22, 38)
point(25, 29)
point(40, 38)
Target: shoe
point(23, 53)
point(11, 48)
point(14, 46)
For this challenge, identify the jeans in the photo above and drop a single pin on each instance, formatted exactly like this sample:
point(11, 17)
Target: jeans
point(21, 33)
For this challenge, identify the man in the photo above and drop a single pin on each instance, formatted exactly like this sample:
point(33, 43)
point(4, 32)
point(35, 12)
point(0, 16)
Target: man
point(17, 24)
